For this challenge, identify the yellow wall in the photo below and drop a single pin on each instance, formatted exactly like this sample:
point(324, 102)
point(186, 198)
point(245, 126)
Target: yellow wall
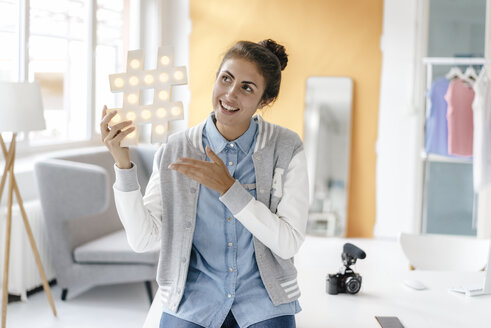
point(331, 37)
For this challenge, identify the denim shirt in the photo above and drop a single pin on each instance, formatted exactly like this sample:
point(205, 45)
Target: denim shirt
point(223, 274)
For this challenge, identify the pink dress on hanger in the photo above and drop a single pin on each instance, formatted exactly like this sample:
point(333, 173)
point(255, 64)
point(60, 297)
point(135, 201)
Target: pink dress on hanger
point(460, 118)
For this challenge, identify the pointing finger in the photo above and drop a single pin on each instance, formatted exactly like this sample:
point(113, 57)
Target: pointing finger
point(213, 156)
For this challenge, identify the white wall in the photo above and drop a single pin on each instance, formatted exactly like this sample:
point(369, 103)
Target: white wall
point(397, 144)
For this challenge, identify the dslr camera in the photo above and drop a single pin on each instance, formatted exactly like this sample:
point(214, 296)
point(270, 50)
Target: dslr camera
point(346, 280)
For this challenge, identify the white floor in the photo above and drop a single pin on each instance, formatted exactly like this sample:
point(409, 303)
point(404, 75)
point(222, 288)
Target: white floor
point(121, 306)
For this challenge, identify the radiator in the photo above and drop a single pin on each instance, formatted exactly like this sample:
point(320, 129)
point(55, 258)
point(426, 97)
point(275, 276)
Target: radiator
point(23, 271)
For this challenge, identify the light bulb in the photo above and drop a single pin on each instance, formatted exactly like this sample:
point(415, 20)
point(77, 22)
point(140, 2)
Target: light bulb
point(134, 80)
point(135, 63)
point(148, 79)
point(178, 75)
point(163, 95)
point(118, 82)
point(132, 98)
point(161, 112)
point(165, 60)
point(175, 110)
point(159, 129)
point(146, 114)
point(130, 116)
point(164, 77)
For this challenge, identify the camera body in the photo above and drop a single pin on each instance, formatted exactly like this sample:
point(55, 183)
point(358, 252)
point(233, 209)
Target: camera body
point(349, 282)
point(346, 280)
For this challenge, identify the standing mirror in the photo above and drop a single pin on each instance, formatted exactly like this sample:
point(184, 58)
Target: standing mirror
point(328, 103)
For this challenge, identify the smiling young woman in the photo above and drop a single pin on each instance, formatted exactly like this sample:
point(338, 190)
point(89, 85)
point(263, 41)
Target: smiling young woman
point(227, 203)
point(237, 96)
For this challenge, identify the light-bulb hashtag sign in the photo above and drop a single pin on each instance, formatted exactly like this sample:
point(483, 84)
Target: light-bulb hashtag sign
point(135, 81)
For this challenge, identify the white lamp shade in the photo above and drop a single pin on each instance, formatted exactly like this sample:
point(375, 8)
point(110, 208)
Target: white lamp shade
point(21, 107)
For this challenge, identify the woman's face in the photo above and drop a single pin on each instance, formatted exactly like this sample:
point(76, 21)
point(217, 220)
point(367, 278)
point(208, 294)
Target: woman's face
point(237, 94)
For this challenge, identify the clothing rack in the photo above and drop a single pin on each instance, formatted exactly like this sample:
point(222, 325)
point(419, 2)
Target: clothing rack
point(446, 61)
point(430, 61)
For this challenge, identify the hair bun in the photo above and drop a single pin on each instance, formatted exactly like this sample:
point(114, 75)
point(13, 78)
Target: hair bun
point(277, 49)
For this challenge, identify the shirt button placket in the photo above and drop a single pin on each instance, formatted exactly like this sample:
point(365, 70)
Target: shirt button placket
point(232, 256)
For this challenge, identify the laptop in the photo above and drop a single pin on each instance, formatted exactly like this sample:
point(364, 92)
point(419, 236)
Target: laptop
point(483, 289)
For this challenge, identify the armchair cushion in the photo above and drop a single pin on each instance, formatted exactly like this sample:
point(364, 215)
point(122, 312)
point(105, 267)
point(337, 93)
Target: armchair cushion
point(112, 248)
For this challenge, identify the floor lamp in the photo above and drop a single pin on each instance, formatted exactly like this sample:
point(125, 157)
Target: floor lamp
point(21, 109)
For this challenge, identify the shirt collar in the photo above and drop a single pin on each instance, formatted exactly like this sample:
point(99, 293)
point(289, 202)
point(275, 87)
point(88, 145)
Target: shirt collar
point(218, 142)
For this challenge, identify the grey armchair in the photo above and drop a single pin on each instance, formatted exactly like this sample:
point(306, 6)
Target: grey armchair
point(86, 237)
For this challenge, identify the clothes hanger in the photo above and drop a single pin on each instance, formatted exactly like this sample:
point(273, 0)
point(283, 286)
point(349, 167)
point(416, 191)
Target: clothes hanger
point(470, 73)
point(453, 73)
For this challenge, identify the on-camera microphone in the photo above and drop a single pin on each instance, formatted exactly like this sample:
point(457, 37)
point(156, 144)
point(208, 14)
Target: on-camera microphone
point(354, 251)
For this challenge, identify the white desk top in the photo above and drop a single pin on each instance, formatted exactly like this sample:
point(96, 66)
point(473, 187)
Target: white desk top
point(382, 292)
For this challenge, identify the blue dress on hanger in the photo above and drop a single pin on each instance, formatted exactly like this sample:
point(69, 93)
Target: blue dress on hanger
point(436, 124)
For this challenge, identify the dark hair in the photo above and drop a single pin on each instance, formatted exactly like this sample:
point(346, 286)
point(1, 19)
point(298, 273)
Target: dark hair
point(270, 59)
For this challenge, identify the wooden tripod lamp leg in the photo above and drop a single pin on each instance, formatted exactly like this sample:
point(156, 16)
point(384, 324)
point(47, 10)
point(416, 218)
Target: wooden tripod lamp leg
point(34, 247)
point(5, 286)
point(9, 160)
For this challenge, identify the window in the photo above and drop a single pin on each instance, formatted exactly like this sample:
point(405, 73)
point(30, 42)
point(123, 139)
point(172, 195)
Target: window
point(111, 49)
point(62, 36)
point(8, 40)
point(455, 29)
point(57, 48)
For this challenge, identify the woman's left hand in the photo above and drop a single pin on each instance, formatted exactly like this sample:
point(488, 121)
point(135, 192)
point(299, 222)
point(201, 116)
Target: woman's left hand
point(213, 175)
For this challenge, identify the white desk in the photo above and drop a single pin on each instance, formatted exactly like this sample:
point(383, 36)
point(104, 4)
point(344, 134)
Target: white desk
point(382, 292)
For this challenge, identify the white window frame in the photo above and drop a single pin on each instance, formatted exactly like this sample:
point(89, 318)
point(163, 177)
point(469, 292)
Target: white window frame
point(23, 148)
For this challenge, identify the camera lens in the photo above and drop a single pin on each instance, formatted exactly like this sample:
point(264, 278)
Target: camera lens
point(352, 285)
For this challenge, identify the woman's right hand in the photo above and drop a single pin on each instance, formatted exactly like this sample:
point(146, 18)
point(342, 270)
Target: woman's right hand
point(112, 138)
